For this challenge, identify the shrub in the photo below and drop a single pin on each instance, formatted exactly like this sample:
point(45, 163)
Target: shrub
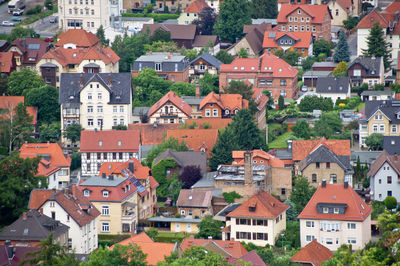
point(36, 10)
point(390, 202)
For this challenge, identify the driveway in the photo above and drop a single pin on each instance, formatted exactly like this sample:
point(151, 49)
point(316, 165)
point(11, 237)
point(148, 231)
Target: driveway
point(352, 41)
point(44, 27)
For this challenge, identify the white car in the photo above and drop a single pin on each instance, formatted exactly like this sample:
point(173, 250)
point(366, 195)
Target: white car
point(7, 23)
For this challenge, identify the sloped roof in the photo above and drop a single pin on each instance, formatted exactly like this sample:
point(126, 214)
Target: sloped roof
point(356, 208)
point(384, 157)
point(370, 65)
point(213, 122)
point(302, 148)
point(196, 6)
point(205, 40)
point(323, 154)
point(391, 144)
point(208, 58)
point(111, 140)
point(79, 37)
point(6, 59)
point(185, 158)
point(173, 98)
point(255, 38)
point(51, 152)
point(313, 253)
point(225, 101)
point(178, 32)
point(194, 198)
point(390, 108)
point(38, 197)
point(252, 257)
point(373, 17)
point(262, 27)
point(266, 206)
point(316, 12)
point(31, 48)
point(302, 39)
point(20, 254)
point(152, 134)
point(333, 85)
point(238, 156)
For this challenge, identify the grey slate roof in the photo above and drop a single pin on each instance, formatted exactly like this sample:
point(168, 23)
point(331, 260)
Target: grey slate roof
point(206, 182)
point(120, 88)
point(144, 149)
point(192, 100)
point(366, 157)
point(376, 93)
point(97, 181)
point(389, 107)
point(333, 85)
point(372, 66)
point(161, 57)
point(140, 110)
point(324, 64)
point(316, 74)
point(220, 216)
point(35, 227)
point(391, 144)
point(185, 158)
point(208, 58)
point(284, 154)
point(170, 62)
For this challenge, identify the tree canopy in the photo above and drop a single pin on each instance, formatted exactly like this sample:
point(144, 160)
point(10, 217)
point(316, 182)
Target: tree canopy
point(301, 129)
point(209, 227)
point(310, 103)
point(130, 255)
point(208, 83)
point(374, 141)
point(171, 143)
point(376, 45)
point(46, 99)
point(205, 22)
point(20, 32)
point(301, 194)
point(342, 52)
point(264, 8)
point(21, 82)
point(73, 132)
point(224, 57)
point(340, 70)
point(322, 46)
point(190, 175)
point(328, 125)
point(102, 37)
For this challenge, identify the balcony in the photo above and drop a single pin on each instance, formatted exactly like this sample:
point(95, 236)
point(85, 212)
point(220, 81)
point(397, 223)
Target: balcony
point(169, 114)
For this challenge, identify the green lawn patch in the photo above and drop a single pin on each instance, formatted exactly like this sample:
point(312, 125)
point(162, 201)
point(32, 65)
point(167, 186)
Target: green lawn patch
point(280, 142)
point(155, 16)
point(272, 126)
point(360, 106)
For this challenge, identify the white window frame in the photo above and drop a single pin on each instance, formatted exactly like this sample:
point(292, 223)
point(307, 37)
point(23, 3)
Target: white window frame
point(105, 193)
point(351, 225)
point(207, 112)
point(105, 210)
point(105, 227)
point(310, 224)
point(215, 112)
point(86, 193)
point(310, 238)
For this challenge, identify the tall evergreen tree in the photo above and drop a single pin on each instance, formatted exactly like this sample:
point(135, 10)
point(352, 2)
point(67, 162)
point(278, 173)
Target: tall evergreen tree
point(102, 36)
point(233, 15)
point(264, 8)
point(342, 52)
point(222, 151)
point(377, 45)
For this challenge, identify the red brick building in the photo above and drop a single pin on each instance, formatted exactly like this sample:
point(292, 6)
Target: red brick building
point(222, 105)
point(312, 18)
point(267, 72)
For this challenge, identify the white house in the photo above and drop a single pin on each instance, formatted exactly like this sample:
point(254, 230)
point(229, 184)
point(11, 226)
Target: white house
point(71, 208)
point(336, 88)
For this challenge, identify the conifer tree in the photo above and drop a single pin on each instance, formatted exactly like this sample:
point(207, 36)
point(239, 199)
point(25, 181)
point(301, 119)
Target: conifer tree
point(342, 49)
point(377, 45)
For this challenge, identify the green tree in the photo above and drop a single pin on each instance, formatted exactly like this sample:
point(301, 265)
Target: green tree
point(171, 143)
point(387, 221)
point(196, 256)
point(308, 62)
point(183, 89)
point(322, 46)
point(121, 127)
point(206, 21)
point(76, 160)
point(301, 194)
point(20, 82)
point(222, 150)
point(377, 45)
point(340, 70)
point(174, 189)
point(162, 46)
point(233, 15)
point(73, 132)
point(291, 213)
point(3, 84)
point(19, 127)
point(208, 83)
point(102, 37)
point(224, 57)
point(264, 8)
point(328, 125)
point(310, 103)
point(291, 57)
point(48, 4)
point(20, 32)
point(152, 233)
point(209, 227)
point(342, 52)
point(130, 255)
point(46, 99)
point(281, 102)
point(191, 54)
point(374, 141)
point(160, 35)
point(350, 23)
point(50, 132)
point(301, 129)
point(243, 53)
point(239, 87)
point(390, 202)
point(231, 196)
point(17, 179)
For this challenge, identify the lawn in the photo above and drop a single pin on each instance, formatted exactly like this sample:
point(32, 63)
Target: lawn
point(360, 106)
point(168, 237)
point(280, 142)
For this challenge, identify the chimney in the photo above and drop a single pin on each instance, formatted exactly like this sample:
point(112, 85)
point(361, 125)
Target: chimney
point(109, 80)
point(24, 216)
point(197, 94)
point(248, 167)
point(346, 184)
point(81, 80)
point(41, 210)
point(323, 182)
point(130, 166)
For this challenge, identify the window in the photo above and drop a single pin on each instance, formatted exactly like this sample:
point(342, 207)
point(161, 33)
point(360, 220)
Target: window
point(283, 82)
point(314, 29)
point(70, 11)
point(105, 227)
point(328, 165)
point(283, 28)
point(394, 129)
point(299, 11)
point(351, 240)
point(190, 213)
point(182, 212)
point(121, 121)
point(283, 191)
point(389, 193)
point(290, 19)
point(389, 180)
point(92, 12)
point(76, 11)
point(105, 193)
point(333, 179)
point(329, 241)
point(215, 112)
point(382, 128)
point(309, 238)
point(295, 28)
point(207, 112)
point(290, 28)
point(158, 67)
point(295, 19)
point(337, 12)
point(378, 117)
point(336, 210)
point(309, 223)
point(283, 93)
point(351, 226)
point(121, 109)
point(314, 178)
point(81, 11)
point(105, 210)
point(88, 167)
point(325, 210)
point(308, 28)
point(87, 13)
point(115, 122)
point(115, 109)
point(100, 109)
point(90, 109)
point(89, 96)
point(317, 164)
point(120, 155)
point(90, 122)
point(375, 128)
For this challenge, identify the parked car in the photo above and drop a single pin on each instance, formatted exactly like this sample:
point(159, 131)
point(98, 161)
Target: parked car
point(53, 19)
point(49, 39)
point(7, 23)
point(17, 19)
point(18, 12)
point(168, 202)
point(304, 88)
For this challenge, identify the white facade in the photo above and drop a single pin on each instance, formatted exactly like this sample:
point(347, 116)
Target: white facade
point(187, 18)
point(168, 114)
point(83, 239)
point(334, 233)
point(92, 161)
point(385, 183)
point(335, 96)
point(59, 179)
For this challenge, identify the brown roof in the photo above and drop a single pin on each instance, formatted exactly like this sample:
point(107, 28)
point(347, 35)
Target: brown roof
point(31, 48)
point(38, 197)
point(205, 40)
point(302, 148)
point(356, 208)
point(173, 98)
point(110, 140)
point(196, 6)
point(229, 102)
point(79, 37)
point(392, 160)
point(260, 27)
point(213, 122)
point(255, 39)
point(152, 134)
point(313, 253)
point(266, 206)
point(194, 198)
point(252, 257)
point(178, 32)
point(6, 59)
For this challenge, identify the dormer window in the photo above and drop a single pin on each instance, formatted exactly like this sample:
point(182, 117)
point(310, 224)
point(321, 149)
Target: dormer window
point(119, 143)
point(252, 209)
point(373, 72)
point(100, 143)
point(299, 11)
point(86, 193)
point(325, 210)
point(336, 210)
point(105, 193)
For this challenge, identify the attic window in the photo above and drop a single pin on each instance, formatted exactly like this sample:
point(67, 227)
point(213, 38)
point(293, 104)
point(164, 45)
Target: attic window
point(280, 70)
point(265, 68)
point(100, 143)
point(329, 88)
point(86, 193)
point(373, 72)
point(235, 68)
point(105, 193)
point(340, 88)
point(119, 143)
point(241, 68)
point(252, 68)
point(74, 55)
point(190, 197)
point(26, 230)
point(393, 142)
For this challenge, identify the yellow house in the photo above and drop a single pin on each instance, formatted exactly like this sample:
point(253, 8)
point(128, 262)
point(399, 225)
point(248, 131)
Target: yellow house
point(192, 12)
point(175, 225)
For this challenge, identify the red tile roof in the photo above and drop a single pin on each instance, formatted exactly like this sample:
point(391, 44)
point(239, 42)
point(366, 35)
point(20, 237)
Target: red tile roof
point(79, 37)
point(8, 102)
point(194, 198)
point(234, 248)
point(369, 20)
point(31, 48)
point(259, 97)
point(196, 139)
point(313, 253)
point(392, 160)
point(155, 251)
point(269, 64)
point(171, 97)
point(196, 6)
point(302, 39)
point(316, 12)
point(38, 197)
point(252, 257)
point(229, 102)
point(266, 206)
point(238, 157)
point(6, 59)
point(302, 148)
point(214, 122)
point(356, 210)
point(129, 141)
point(152, 134)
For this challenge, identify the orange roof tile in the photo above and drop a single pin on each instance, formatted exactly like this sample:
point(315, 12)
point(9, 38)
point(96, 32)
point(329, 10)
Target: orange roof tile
point(32, 49)
point(356, 210)
point(38, 197)
point(10, 102)
point(155, 251)
point(302, 39)
point(153, 134)
point(225, 101)
point(316, 12)
point(369, 20)
point(32, 111)
point(6, 59)
point(302, 148)
point(110, 140)
point(196, 6)
point(238, 157)
point(175, 100)
point(79, 37)
point(266, 206)
point(313, 253)
point(215, 123)
point(196, 139)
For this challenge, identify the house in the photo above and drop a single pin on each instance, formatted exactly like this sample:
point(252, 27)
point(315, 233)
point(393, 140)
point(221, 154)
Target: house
point(155, 251)
point(98, 147)
point(376, 95)
point(194, 203)
point(366, 70)
point(72, 208)
point(230, 249)
point(209, 42)
point(388, 20)
point(135, 24)
point(306, 18)
point(169, 66)
point(192, 12)
point(261, 100)
point(268, 72)
point(27, 52)
point(381, 117)
point(324, 66)
point(322, 163)
point(384, 176)
point(259, 220)
point(95, 100)
point(182, 35)
point(170, 109)
point(391, 144)
point(13, 256)
point(54, 164)
point(260, 157)
point(194, 102)
point(33, 227)
point(310, 78)
point(188, 224)
point(196, 139)
point(8, 104)
point(202, 64)
point(222, 105)
point(76, 51)
point(251, 257)
point(336, 215)
point(335, 88)
point(7, 63)
point(341, 10)
point(300, 42)
point(183, 159)
point(312, 254)
point(141, 177)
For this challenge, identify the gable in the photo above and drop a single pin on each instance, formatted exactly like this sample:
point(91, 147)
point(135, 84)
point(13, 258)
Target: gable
point(285, 40)
point(378, 112)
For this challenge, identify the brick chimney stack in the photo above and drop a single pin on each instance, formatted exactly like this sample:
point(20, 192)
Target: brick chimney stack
point(248, 167)
point(197, 94)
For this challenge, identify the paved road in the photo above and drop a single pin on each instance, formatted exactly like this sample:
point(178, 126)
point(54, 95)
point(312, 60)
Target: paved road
point(5, 16)
point(44, 27)
point(352, 41)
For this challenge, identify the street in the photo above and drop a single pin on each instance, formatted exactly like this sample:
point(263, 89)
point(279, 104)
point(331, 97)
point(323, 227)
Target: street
point(352, 41)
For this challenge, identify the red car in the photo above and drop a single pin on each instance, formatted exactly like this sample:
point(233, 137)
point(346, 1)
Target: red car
point(49, 39)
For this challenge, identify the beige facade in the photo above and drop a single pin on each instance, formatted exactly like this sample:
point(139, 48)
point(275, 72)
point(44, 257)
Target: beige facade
point(187, 18)
point(338, 13)
point(243, 43)
point(186, 227)
point(168, 114)
point(194, 212)
point(279, 182)
point(146, 202)
point(316, 172)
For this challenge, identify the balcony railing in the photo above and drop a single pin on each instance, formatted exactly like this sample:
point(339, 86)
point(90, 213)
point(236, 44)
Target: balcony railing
point(169, 114)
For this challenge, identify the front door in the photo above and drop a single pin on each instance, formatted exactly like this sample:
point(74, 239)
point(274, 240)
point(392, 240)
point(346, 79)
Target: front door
point(177, 227)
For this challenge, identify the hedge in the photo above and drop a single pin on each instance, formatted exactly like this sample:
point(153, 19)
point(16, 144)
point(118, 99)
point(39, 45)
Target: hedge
point(155, 16)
